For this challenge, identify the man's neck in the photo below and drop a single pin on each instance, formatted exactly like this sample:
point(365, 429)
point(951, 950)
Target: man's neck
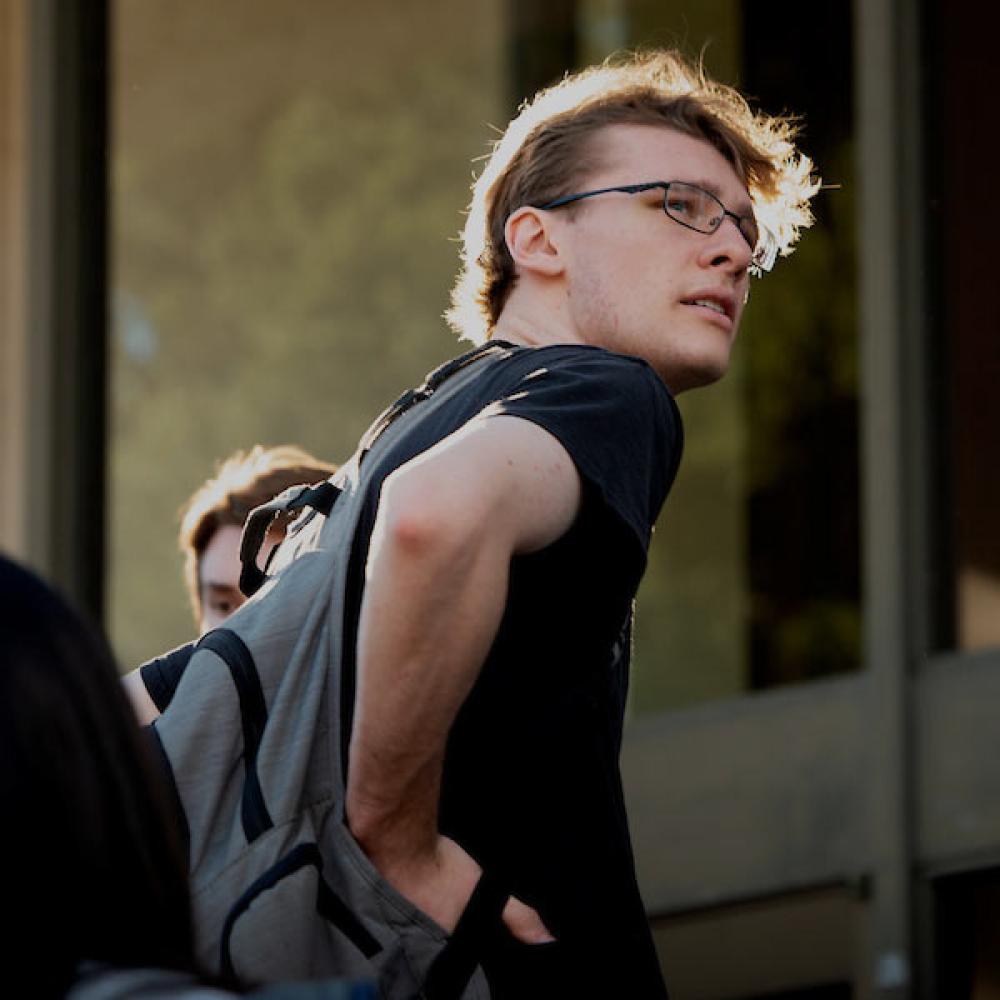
point(533, 328)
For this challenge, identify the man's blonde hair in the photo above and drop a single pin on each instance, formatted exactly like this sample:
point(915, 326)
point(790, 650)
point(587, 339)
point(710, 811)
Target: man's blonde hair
point(547, 148)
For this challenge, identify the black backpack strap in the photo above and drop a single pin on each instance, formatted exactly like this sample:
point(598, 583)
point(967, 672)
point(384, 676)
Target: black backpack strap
point(454, 965)
point(430, 385)
point(229, 647)
point(320, 497)
point(328, 904)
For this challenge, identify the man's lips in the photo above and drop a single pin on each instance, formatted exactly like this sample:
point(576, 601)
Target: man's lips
point(714, 303)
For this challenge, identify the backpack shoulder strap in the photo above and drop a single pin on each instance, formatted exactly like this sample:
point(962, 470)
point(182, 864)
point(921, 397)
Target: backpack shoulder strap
point(425, 390)
point(322, 496)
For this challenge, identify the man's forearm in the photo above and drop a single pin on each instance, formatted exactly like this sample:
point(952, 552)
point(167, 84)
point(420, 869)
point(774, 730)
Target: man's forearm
point(448, 525)
point(433, 601)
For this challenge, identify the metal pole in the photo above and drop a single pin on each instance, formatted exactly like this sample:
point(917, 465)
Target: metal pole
point(884, 146)
point(67, 311)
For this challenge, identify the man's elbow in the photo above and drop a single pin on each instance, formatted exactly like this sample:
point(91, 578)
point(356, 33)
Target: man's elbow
point(412, 531)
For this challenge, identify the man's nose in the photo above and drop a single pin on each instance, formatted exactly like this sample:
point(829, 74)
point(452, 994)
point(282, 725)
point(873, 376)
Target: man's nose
point(728, 247)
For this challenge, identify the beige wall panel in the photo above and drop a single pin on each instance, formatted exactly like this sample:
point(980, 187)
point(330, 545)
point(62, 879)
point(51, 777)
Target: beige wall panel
point(770, 946)
point(749, 798)
point(958, 749)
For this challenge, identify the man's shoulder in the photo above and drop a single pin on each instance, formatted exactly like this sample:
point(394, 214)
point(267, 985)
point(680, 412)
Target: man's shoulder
point(584, 356)
point(580, 366)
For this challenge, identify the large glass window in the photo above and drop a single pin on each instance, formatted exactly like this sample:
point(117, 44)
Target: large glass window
point(966, 428)
point(287, 180)
point(286, 186)
point(967, 935)
point(754, 573)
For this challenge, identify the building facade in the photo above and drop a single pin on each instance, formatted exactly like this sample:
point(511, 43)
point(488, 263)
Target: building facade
point(228, 223)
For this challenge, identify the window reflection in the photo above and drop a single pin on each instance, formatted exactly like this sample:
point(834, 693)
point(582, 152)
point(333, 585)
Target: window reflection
point(282, 256)
point(966, 378)
point(754, 578)
point(287, 180)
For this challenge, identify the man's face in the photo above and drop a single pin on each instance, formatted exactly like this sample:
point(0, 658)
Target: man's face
point(219, 573)
point(219, 577)
point(635, 276)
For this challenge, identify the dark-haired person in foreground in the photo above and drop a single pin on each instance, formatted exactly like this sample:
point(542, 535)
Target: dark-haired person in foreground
point(608, 255)
point(95, 883)
point(94, 872)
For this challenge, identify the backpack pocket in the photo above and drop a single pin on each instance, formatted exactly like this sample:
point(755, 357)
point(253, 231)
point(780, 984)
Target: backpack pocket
point(418, 940)
point(273, 926)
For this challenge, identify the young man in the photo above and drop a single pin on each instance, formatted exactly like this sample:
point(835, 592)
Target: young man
point(608, 252)
point(211, 526)
point(212, 522)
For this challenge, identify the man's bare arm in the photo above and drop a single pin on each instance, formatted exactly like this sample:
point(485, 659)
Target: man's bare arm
point(448, 524)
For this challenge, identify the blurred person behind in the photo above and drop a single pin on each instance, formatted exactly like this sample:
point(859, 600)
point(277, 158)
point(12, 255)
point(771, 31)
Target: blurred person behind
point(212, 522)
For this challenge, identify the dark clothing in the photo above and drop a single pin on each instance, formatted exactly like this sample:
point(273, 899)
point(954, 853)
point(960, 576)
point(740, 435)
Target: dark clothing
point(97, 981)
point(531, 785)
point(531, 782)
point(162, 675)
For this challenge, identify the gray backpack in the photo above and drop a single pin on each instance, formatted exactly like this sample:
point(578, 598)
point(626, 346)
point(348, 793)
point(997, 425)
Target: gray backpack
point(255, 746)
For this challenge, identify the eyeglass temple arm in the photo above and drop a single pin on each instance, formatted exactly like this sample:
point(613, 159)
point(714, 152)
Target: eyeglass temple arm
point(626, 188)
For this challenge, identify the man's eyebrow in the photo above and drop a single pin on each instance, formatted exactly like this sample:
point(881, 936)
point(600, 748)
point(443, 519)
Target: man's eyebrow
point(224, 588)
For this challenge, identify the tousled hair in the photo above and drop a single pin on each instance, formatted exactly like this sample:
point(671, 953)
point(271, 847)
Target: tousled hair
point(548, 148)
point(243, 481)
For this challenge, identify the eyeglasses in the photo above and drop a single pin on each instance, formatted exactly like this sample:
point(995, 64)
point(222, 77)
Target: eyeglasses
point(697, 209)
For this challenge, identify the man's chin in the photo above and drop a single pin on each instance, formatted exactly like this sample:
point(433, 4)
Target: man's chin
point(695, 375)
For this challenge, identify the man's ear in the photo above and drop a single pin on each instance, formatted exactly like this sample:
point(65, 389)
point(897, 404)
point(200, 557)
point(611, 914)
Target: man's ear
point(529, 237)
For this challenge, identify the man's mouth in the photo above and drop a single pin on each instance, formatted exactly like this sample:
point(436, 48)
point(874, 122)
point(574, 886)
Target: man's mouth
point(710, 304)
point(716, 301)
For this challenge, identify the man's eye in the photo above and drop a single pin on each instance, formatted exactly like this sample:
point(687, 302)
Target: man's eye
point(680, 206)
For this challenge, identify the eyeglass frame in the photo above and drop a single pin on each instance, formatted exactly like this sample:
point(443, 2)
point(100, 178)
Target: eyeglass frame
point(763, 253)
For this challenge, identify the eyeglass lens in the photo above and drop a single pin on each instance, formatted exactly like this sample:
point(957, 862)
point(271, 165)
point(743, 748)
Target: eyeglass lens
point(701, 210)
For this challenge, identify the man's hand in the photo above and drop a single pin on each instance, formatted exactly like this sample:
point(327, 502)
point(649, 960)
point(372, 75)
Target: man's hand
point(440, 883)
